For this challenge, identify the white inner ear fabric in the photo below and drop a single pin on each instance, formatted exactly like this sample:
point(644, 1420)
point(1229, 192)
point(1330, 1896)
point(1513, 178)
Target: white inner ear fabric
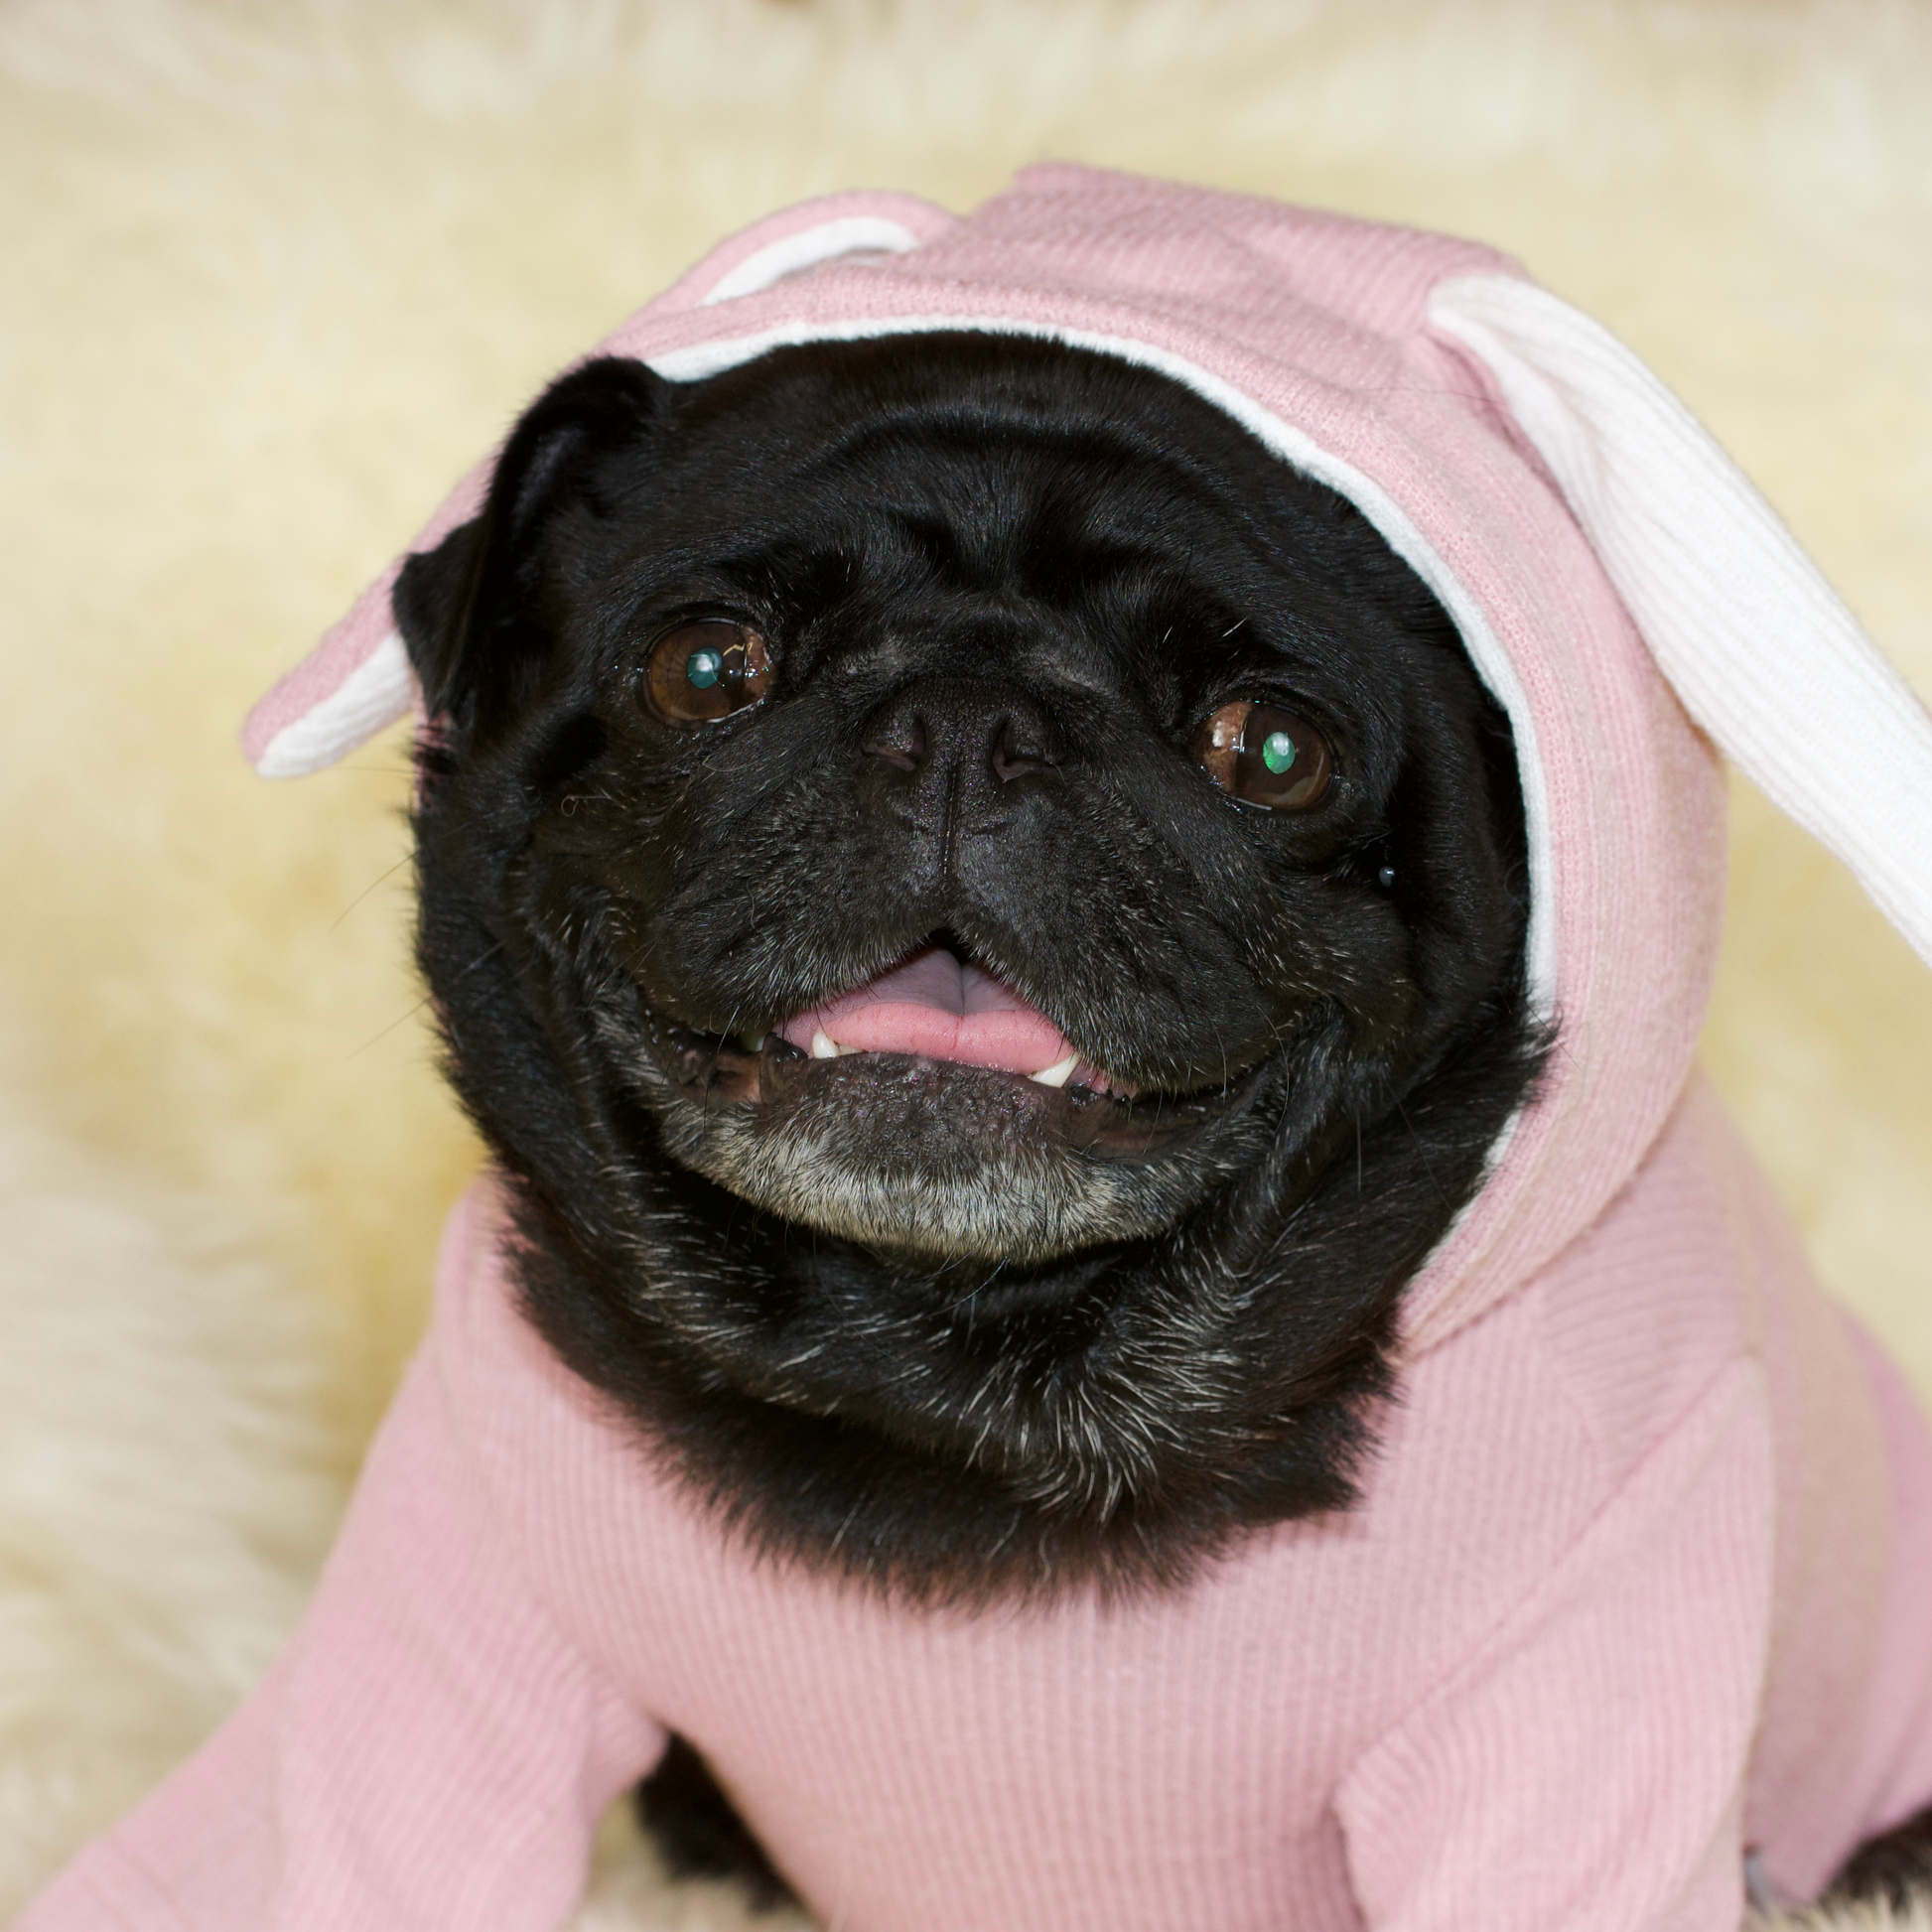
point(848, 235)
point(376, 693)
point(1757, 645)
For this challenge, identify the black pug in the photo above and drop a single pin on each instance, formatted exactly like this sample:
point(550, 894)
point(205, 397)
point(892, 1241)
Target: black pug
point(948, 648)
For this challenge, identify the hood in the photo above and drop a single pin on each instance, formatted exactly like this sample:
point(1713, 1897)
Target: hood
point(1612, 574)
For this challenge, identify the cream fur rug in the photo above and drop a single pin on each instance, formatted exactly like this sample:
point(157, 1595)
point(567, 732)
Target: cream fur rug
point(273, 276)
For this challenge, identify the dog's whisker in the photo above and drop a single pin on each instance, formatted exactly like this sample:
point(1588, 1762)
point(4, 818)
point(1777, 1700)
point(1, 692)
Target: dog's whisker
point(400, 1021)
point(389, 872)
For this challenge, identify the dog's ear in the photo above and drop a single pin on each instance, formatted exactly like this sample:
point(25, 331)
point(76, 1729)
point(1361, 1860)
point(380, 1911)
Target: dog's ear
point(470, 611)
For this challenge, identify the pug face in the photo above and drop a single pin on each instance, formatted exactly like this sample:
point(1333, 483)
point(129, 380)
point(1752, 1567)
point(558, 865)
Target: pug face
point(982, 916)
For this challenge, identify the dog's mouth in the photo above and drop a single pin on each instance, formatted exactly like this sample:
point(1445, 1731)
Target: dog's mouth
point(942, 1024)
point(942, 1004)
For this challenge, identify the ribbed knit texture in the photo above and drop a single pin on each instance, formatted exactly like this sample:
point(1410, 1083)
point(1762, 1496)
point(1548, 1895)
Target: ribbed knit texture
point(1642, 1575)
point(1558, 1670)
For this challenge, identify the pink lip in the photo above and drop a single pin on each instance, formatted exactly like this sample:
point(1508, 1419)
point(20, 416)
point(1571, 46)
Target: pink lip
point(934, 1006)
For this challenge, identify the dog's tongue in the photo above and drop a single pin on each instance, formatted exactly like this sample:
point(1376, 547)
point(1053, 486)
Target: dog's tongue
point(940, 1007)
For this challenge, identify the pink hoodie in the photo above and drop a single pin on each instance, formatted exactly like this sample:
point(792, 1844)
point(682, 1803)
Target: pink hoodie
point(1643, 1578)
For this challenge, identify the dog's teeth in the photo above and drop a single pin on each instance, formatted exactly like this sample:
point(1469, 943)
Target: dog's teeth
point(823, 1048)
point(1056, 1074)
point(752, 1045)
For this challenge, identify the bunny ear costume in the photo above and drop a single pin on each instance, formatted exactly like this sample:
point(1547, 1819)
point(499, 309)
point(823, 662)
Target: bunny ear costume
point(1640, 1583)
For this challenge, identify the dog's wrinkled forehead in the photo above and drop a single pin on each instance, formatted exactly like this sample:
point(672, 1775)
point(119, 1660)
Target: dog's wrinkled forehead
point(983, 489)
point(966, 466)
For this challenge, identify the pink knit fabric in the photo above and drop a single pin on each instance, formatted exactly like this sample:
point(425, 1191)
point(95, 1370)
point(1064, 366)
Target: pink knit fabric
point(1643, 1570)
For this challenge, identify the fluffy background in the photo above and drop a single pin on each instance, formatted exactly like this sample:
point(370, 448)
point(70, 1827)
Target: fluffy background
point(275, 274)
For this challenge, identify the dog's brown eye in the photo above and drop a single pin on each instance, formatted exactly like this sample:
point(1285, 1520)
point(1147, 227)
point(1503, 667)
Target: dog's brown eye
point(1263, 755)
point(704, 671)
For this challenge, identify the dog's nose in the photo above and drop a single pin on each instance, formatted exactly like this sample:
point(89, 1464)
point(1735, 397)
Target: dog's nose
point(991, 739)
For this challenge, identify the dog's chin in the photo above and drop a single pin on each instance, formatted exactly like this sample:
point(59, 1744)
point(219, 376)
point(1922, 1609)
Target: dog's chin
point(933, 1161)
